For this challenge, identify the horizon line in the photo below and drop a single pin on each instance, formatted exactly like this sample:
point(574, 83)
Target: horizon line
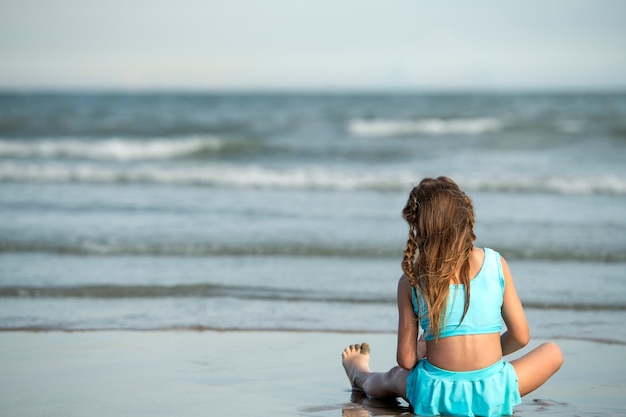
point(313, 90)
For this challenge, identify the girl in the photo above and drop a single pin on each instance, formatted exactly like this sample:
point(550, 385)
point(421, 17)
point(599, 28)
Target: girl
point(459, 295)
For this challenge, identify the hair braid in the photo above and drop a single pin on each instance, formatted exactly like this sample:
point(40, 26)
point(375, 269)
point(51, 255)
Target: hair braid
point(410, 213)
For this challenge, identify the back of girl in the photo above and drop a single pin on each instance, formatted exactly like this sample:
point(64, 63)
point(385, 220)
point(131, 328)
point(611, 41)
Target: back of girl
point(459, 295)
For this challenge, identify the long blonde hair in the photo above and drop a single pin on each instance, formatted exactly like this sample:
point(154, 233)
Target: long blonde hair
point(441, 238)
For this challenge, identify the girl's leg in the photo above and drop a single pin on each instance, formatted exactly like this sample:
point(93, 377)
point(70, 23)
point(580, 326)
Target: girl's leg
point(534, 368)
point(356, 360)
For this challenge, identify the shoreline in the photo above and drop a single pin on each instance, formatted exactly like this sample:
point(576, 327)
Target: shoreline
point(208, 329)
point(244, 372)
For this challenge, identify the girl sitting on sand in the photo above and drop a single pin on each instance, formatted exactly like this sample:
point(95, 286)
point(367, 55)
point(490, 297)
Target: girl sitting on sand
point(459, 294)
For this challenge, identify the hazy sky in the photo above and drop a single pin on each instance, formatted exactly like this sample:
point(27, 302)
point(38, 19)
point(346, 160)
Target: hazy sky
point(278, 44)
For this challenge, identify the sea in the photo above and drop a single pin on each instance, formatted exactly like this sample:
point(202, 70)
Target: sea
point(282, 211)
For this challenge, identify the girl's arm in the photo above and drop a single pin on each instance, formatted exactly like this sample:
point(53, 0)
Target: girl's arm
point(517, 334)
point(407, 353)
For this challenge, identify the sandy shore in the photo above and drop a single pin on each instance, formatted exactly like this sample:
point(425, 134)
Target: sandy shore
point(186, 373)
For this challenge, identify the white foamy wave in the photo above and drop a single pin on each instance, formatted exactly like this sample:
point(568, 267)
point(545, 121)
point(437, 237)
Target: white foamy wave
point(433, 127)
point(110, 149)
point(312, 177)
point(309, 177)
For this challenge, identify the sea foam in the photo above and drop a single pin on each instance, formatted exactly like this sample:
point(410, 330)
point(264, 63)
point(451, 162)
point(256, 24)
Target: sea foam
point(306, 177)
point(432, 127)
point(122, 149)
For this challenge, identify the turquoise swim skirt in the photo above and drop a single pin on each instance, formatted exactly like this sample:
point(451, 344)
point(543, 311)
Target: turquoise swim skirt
point(491, 391)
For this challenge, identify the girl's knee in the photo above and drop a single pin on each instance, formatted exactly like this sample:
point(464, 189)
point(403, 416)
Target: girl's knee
point(397, 380)
point(395, 370)
point(554, 353)
point(536, 367)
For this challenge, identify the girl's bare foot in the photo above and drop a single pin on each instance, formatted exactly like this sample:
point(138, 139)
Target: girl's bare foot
point(356, 359)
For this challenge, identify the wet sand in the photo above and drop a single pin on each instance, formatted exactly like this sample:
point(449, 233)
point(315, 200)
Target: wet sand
point(249, 373)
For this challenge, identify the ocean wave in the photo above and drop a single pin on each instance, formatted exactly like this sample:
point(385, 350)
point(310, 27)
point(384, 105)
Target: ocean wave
point(304, 178)
point(288, 249)
point(555, 184)
point(103, 248)
point(200, 290)
point(119, 149)
point(431, 127)
point(250, 176)
point(209, 290)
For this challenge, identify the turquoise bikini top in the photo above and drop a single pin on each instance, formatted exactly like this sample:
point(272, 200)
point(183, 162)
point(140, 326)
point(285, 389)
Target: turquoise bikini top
point(484, 312)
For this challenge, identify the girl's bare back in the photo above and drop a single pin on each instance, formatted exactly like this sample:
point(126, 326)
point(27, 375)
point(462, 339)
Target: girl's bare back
point(467, 352)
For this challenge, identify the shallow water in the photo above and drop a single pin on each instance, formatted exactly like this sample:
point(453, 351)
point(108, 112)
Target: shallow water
point(256, 211)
